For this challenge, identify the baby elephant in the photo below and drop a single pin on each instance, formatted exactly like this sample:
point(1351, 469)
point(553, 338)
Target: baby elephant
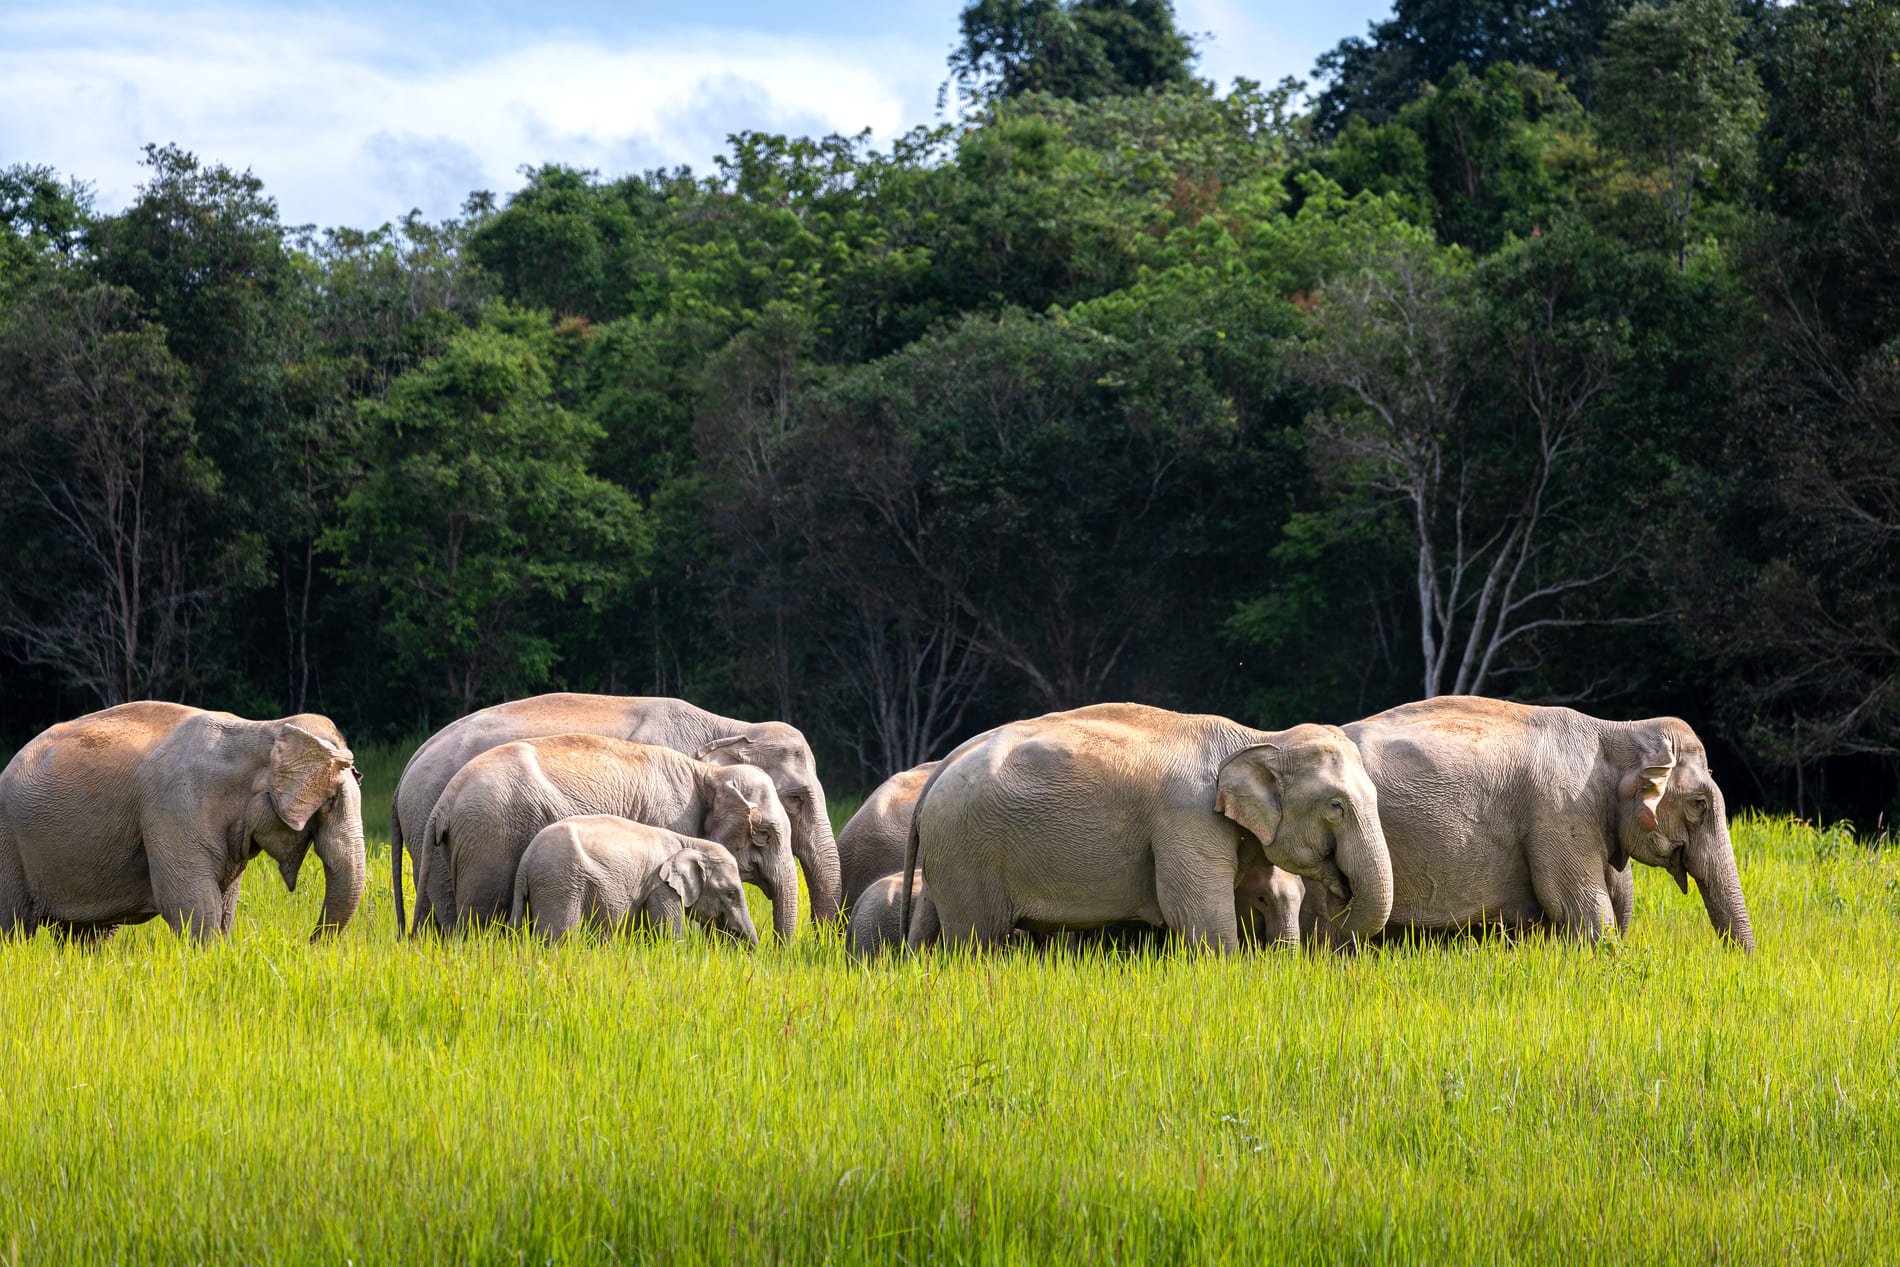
point(877, 916)
point(607, 872)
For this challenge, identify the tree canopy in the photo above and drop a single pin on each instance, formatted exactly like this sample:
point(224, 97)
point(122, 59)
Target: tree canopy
point(1552, 351)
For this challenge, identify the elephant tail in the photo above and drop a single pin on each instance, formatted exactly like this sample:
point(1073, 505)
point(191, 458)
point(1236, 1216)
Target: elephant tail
point(519, 912)
point(395, 862)
point(905, 905)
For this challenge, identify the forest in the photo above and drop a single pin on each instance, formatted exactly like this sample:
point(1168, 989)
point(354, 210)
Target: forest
point(1546, 349)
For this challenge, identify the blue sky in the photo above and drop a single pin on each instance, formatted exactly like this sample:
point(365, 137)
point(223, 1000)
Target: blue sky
point(354, 112)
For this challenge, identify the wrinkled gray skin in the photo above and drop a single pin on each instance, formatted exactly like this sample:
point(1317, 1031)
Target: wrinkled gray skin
point(1503, 815)
point(871, 850)
point(871, 845)
point(154, 809)
point(778, 749)
point(1267, 906)
point(495, 804)
point(877, 916)
point(605, 874)
point(1124, 812)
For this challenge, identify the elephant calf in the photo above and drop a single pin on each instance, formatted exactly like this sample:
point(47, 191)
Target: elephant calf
point(1267, 906)
point(492, 808)
point(607, 873)
point(877, 918)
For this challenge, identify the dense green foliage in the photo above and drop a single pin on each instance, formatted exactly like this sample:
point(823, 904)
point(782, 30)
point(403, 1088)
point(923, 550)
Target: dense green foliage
point(1663, 1099)
point(1554, 353)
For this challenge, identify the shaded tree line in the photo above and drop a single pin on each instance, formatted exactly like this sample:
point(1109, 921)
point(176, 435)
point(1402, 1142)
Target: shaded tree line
point(1547, 350)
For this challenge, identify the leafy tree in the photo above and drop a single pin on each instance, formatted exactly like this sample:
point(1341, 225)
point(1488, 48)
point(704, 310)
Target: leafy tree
point(1471, 156)
point(1676, 96)
point(476, 531)
point(1472, 407)
point(1081, 49)
point(1375, 77)
point(42, 218)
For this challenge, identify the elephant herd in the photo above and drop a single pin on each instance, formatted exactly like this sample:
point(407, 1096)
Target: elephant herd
point(575, 812)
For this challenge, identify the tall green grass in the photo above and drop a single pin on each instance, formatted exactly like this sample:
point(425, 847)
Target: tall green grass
point(1659, 1100)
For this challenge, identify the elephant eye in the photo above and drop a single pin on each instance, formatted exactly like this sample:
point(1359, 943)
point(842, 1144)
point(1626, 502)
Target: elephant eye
point(1338, 807)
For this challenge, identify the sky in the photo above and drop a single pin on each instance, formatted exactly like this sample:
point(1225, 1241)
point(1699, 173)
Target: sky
point(354, 112)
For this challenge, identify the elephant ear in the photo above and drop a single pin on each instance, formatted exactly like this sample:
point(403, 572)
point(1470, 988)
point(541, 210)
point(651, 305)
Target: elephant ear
point(731, 750)
point(1656, 757)
point(755, 821)
point(1247, 790)
point(305, 771)
point(685, 873)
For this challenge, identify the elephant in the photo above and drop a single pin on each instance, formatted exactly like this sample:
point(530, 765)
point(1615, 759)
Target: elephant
point(871, 849)
point(154, 809)
point(1505, 814)
point(775, 747)
point(495, 804)
point(1267, 904)
point(877, 915)
point(1126, 812)
point(604, 872)
point(871, 845)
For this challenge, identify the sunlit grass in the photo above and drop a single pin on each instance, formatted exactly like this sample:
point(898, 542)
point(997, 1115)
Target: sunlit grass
point(1665, 1099)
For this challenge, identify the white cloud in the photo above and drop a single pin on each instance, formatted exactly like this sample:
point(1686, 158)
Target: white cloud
point(348, 123)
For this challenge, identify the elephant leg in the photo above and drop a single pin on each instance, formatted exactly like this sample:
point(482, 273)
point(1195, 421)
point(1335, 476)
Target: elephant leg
point(1570, 887)
point(191, 904)
point(1622, 886)
point(484, 889)
point(17, 915)
point(978, 914)
point(664, 912)
point(1194, 887)
point(926, 929)
point(557, 907)
point(230, 904)
point(435, 894)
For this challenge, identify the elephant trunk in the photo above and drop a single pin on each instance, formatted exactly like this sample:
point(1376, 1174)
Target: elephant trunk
point(339, 844)
point(1711, 863)
point(817, 851)
point(1361, 854)
point(785, 901)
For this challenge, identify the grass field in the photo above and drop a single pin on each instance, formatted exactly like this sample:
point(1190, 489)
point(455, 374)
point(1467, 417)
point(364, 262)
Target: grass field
point(1661, 1100)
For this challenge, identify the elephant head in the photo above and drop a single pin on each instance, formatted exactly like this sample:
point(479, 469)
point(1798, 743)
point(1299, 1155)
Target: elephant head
point(747, 817)
point(1306, 797)
point(707, 883)
point(1672, 815)
point(781, 751)
point(312, 789)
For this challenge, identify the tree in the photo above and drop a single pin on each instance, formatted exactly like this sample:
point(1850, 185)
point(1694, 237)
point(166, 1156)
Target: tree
point(103, 481)
point(1375, 77)
point(42, 218)
point(1471, 410)
point(476, 532)
point(1040, 475)
point(1081, 49)
point(1676, 95)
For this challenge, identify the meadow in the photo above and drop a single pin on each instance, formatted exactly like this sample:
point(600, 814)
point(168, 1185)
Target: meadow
point(1661, 1099)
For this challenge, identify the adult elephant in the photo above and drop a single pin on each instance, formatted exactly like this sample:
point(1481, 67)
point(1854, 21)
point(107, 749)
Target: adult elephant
point(775, 747)
point(1126, 812)
point(871, 845)
point(154, 809)
point(1504, 814)
point(489, 813)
